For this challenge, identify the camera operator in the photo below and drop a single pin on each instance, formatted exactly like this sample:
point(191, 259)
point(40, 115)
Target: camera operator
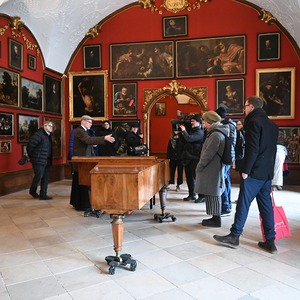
point(193, 140)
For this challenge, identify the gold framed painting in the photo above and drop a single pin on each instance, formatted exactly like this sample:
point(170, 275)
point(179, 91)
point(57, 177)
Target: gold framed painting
point(88, 95)
point(277, 87)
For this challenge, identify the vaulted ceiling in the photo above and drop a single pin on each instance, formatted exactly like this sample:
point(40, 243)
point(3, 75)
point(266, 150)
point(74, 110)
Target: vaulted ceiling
point(60, 25)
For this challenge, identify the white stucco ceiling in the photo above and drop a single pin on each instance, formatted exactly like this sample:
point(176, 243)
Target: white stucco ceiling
point(60, 25)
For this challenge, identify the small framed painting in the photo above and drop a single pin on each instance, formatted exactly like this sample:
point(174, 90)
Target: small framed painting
point(31, 60)
point(5, 146)
point(175, 26)
point(27, 126)
point(92, 57)
point(6, 124)
point(268, 46)
point(15, 54)
point(160, 109)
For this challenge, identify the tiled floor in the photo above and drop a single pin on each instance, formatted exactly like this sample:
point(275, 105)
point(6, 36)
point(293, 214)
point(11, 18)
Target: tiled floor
point(50, 251)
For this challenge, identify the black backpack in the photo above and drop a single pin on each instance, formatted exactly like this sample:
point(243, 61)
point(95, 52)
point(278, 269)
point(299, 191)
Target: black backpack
point(226, 157)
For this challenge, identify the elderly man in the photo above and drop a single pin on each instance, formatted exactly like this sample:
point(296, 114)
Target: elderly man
point(39, 150)
point(83, 145)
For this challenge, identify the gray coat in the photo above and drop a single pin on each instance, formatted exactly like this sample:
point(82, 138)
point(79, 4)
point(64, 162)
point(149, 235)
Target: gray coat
point(210, 170)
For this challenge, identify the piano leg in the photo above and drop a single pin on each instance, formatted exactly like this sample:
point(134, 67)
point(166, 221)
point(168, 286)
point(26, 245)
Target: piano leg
point(163, 200)
point(123, 259)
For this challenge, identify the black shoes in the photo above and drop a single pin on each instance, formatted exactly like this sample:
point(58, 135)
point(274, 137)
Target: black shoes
point(200, 200)
point(268, 245)
point(228, 240)
point(190, 197)
point(215, 221)
point(45, 197)
point(34, 195)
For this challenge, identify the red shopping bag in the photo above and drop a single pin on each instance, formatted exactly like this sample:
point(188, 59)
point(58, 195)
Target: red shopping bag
point(281, 224)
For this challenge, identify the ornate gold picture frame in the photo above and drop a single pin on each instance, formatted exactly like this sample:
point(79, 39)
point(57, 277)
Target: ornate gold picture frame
point(88, 95)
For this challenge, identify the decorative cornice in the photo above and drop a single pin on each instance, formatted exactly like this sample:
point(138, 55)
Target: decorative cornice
point(16, 25)
point(174, 87)
point(266, 16)
point(171, 5)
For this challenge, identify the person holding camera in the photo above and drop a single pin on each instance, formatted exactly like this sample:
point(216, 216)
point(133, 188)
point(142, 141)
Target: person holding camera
point(194, 140)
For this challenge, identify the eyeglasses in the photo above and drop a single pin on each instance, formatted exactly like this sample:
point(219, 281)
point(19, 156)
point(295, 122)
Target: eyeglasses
point(89, 121)
point(246, 105)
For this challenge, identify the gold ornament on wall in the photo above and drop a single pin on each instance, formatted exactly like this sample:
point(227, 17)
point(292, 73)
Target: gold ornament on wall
point(266, 16)
point(94, 31)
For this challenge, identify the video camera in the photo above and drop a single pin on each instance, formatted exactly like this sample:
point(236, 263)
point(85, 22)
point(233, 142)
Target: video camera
point(186, 121)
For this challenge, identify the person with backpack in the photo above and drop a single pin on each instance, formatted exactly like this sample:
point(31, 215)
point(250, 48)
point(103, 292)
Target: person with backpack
point(226, 197)
point(210, 169)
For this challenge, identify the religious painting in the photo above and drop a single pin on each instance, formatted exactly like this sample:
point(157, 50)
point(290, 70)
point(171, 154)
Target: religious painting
point(230, 94)
point(277, 88)
point(120, 128)
point(52, 95)
point(148, 60)
point(56, 136)
point(174, 26)
point(217, 56)
point(290, 138)
point(9, 83)
point(268, 46)
point(124, 99)
point(6, 124)
point(27, 126)
point(88, 95)
point(5, 146)
point(15, 54)
point(92, 57)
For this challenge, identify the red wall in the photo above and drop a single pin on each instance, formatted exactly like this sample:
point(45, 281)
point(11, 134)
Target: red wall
point(213, 19)
point(9, 161)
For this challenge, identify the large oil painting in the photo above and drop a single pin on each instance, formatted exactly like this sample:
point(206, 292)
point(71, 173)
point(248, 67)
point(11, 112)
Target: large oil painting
point(217, 56)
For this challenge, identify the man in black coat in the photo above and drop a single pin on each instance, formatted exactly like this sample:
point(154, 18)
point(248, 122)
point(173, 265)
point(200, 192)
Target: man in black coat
point(256, 175)
point(39, 150)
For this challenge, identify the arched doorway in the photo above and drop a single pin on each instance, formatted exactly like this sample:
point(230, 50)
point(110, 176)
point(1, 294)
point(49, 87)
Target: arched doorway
point(173, 94)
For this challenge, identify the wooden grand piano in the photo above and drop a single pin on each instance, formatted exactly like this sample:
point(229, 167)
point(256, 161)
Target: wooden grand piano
point(120, 185)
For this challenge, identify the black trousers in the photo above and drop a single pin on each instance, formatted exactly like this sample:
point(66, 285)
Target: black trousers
point(41, 175)
point(190, 174)
point(176, 164)
point(79, 198)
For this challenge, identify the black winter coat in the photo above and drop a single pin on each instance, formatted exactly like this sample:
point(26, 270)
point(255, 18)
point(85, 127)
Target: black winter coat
point(260, 145)
point(39, 148)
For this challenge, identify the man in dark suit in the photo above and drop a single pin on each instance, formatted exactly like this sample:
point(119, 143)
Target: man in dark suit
point(83, 145)
point(256, 175)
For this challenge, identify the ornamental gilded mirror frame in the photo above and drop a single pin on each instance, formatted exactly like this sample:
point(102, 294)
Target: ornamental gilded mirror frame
point(174, 88)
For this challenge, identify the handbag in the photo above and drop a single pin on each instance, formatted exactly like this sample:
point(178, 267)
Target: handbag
point(140, 150)
point(24, 159)
point(281, 224)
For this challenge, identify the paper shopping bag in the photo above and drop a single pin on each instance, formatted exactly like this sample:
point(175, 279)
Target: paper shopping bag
point(281, 224)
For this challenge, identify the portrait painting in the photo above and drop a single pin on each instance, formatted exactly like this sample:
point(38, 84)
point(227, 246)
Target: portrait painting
point(52, 95)
point(230, 94)
point(277, 88)
point(120, 128)
point(31, 60)
point(5, 146)
point(175, 26)
point(160, 108)
point(56, 136)
point(27, 126)
point(88, 95)
point(290, 138)
point(15, 54)
point(268, 46)
point(149, 60)
point(92, 57)
point(32, 94)
point(10, 83)
point(217, 56)
point(124, 99)
point(6, 124)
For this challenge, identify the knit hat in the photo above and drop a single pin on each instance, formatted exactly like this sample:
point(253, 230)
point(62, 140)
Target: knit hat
point(221, 111)
point(86, 117)
point(211, 117)
point(197, 118)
